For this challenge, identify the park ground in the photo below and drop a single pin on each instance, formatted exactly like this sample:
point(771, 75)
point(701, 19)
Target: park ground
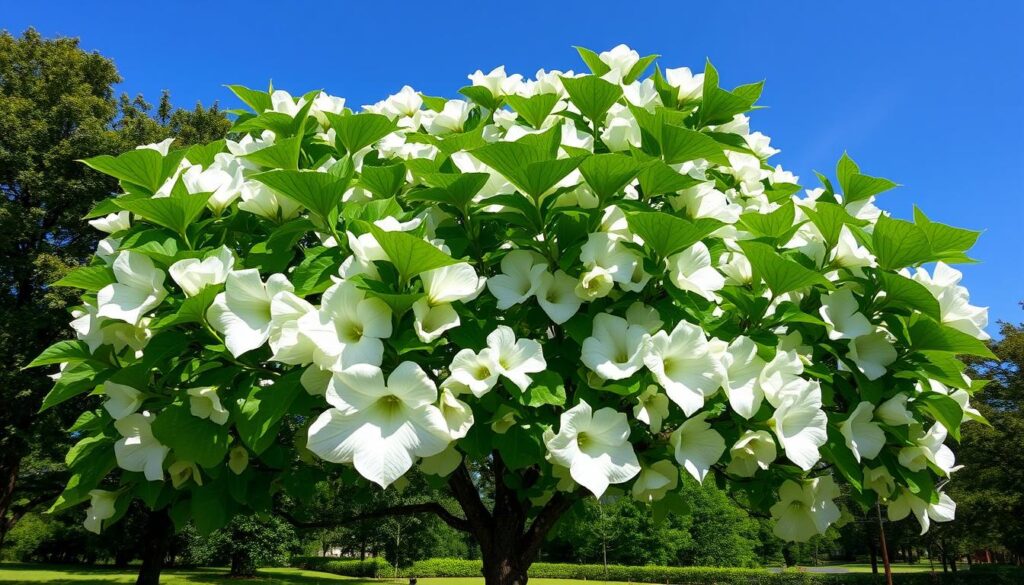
point(88, 575)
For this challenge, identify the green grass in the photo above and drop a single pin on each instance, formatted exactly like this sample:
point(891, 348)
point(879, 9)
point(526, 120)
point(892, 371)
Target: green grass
point(921, 567)
point(85, 575)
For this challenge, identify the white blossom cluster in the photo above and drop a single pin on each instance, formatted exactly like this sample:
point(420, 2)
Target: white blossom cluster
point(685, 361)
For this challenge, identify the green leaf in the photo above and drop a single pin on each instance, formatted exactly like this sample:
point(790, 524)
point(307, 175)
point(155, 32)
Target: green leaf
point(260, 415)
point(192, 310)
point(638, 69)
point(608, 173)
point(528, 166)
point(410, 254)
point(534, 109)
point(357, 131)
point(680, 145)
point(592, 95)
point(90, 278)
point(283, 154)
point(259, 101)
point(946, 242)
point(830, 218)
point(204, 154)
point(455, 189)
point(519, 447)
point(667, 234)
point(593, 61)
point(383, 181)
point(143, 167)
point(857, 186)
point(60, 352)
point(74, 380)
point(209, 508)
point(481, 95)
point(908, 293)
point(899, 243)
point(176, 212)
point(547, 388)
point(313, 274)
point(927, 334)
point(90, 469)
point(943, 409)
point(657, 178)
point(771, 225)
point(718, 105)
point(191, 438)
point(781, 274)
point(318, 192)
point(836, 451)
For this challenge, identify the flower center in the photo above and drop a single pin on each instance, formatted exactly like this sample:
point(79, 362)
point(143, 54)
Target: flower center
point(583, 440)
point(350, 332)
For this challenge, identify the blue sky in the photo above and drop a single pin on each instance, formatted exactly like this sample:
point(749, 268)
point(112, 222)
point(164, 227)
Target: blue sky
point(928, 94)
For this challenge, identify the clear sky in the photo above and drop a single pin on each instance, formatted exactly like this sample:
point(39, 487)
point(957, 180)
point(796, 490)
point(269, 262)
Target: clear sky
point(929, 94)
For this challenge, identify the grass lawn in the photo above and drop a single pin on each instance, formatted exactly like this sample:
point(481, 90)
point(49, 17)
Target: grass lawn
point(82, 575)
point(921, 567)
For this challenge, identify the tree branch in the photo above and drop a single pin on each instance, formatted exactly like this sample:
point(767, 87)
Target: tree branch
point(547, 518)
point(465, 492)
point(404, 510)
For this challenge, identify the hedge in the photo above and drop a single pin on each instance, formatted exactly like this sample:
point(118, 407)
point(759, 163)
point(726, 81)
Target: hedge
point(655, 574)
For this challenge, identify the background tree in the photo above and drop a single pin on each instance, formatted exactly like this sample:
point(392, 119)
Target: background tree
point(57, 105)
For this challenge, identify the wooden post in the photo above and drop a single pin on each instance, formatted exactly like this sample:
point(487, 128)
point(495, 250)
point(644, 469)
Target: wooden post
point(885, 549)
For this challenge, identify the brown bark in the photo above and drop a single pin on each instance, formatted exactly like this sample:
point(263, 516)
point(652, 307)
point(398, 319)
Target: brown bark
point(8, 479)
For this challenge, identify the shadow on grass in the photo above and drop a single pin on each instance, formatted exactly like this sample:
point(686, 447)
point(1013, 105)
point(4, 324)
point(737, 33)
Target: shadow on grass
point(11, 573)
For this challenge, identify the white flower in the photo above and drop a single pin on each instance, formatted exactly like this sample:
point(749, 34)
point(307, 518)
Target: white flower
point(193, 275)
point(894, 412)
point(381, 428)
point(691, 270)
point(515, 358)
point(442, 464)
point(620, 60)
point(872, 353)
point(697, 446)
point(805, 509)
point(928, 448)
point(443, 286)
point(282, 101)
point(954, 305)
point(121, 400)
point(163, 147)
point(605, 250)
point(497, 82)
point(238, 459)
point(703, 200)
point(242, 311)
point(406, 103)
point(324, 103)
point(879, 480)
point(754, 450)
point(96, 331)
point(348, 328)
point(621, 130)
point(594, 284)
point(690, 86)
point(839, 310)
point(642, 94)
point(594, 446)
point(863, 436)
point(655, 480)
point(101, 507)
point(743, 370)
point(615, 349)
point(288, 340)
point(138, 290)
point(520, 271)
point(139, 450)
point(223, 180)
point(451, 118)
point(478, 372)
point(315, 379)
point(850, 253)
point(736, 268)
point(682, 363)
point(959, 395)
point(925, 512)
point(780, 373)
point(457, 414)
point(556, 295)
point(205, 403)
point(113, 222)
point(263, 201)
point(651, 408)
point(182, 471)
point(800, 424)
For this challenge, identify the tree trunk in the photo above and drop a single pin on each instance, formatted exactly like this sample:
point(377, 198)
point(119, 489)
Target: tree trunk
point(8, 479)
point(242, 564)
point(509, 544)
point(156, 537)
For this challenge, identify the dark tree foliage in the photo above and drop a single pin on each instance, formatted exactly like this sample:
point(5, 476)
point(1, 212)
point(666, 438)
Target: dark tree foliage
point(57, 106)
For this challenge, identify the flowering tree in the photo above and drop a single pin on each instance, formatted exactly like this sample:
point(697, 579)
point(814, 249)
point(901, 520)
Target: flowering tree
point(557, 287)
